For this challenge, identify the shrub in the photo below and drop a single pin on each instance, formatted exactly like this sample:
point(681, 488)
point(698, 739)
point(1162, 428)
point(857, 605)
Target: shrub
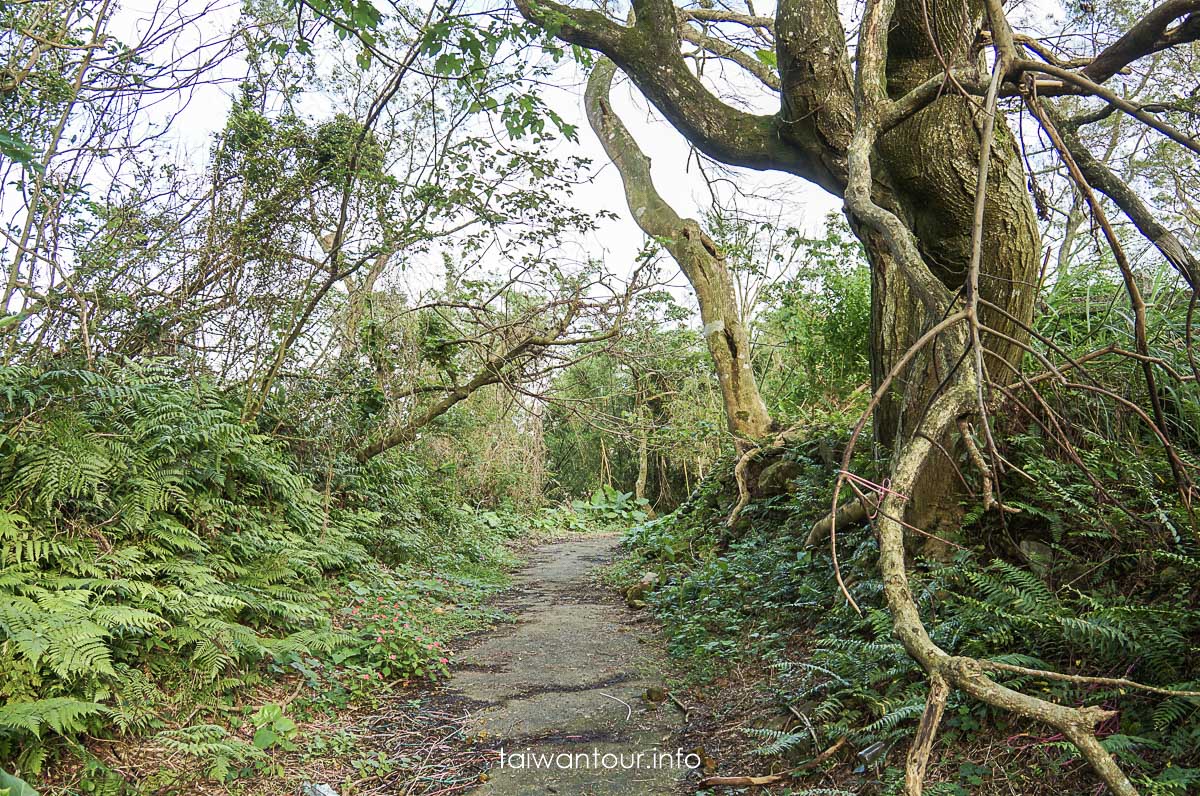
point(155, 552)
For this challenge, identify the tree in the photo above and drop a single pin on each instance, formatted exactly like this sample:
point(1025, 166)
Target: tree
point(77, 85)
point(911, 134)
point(495, 335)
point(698, 257)
point(282, 258)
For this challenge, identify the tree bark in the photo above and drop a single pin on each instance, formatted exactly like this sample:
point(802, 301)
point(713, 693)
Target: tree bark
point(935, 189)
point(697, 255)
point(924, 171)
point(930, 164)
point(639, 486)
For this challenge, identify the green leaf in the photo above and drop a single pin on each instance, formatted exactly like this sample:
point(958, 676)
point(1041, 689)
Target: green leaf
point(448, 64)
point(14, 786)
point(265, 738)
point(768, 57)
point(15, 148)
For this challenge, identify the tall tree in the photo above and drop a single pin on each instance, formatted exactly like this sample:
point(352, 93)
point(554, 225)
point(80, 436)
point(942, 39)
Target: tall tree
point(907, 128)
point(698, 257)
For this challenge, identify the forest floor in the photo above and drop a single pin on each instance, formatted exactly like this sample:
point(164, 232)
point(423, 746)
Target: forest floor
point(571, 697)
point(559, 688)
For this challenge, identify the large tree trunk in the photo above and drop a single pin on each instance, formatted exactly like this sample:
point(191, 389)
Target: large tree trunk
point(929, 165)
point(698, 257)
point(953, 296)
point(926, 172)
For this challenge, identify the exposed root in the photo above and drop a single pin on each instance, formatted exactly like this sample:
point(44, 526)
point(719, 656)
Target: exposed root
point(1115, 682)
point(985, 472)
point(739, 475)
point(967, 674)
point(849, 513)
point(918, 753)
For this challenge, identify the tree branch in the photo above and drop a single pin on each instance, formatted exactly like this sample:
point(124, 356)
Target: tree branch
point(1148, 36)
point(648, 52)
point(695, 253)
point(721, 15)
point(731, 52)
point(1099, 176)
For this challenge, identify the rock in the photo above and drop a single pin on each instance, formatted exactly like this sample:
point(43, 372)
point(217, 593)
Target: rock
point(776, 478)
point(655, 694)
point(309, 789)
point(635, 593)
point(1038, 555)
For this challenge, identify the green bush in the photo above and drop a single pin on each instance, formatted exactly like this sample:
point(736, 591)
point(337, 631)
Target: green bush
point(1113, 594)
point(155, 552)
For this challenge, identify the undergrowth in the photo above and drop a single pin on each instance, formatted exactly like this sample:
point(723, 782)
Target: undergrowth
point(159, 558)
point(1073, 583)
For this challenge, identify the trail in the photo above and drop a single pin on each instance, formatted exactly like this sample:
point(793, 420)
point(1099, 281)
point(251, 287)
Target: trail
point(569, 677)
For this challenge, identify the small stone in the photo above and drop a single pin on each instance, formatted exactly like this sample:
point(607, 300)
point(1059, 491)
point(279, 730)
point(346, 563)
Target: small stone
point(309, 789)
point(776, 478)
point(635, 593)
point(1038, 554)
point(656, 694)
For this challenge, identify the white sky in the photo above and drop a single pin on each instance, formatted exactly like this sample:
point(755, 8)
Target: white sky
point(675, 171)
point(196, 115)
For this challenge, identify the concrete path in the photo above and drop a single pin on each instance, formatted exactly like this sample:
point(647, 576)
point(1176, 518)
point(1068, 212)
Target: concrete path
point(562, 692)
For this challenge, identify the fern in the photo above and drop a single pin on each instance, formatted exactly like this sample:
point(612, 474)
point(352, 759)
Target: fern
point(156, 552)
point(60, 714)
point(210, 744)
point(777, 742)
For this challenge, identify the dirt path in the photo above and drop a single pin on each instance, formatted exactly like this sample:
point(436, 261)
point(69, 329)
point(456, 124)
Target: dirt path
point(569, 678)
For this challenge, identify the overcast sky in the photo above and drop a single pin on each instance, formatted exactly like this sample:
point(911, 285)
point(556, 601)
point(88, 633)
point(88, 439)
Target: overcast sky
point(675, 170)
point(197, 115)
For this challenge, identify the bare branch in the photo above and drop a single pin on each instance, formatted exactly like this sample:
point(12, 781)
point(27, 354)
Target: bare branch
point(649, 53)
point(1148, 36)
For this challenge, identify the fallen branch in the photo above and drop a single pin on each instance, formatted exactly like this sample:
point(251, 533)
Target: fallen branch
point(821, 758)
point(770, 779)
point(680, 705)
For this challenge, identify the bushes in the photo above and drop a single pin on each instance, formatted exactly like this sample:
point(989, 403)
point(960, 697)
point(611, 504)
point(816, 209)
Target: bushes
point(1072, 584)
point(155, 552)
